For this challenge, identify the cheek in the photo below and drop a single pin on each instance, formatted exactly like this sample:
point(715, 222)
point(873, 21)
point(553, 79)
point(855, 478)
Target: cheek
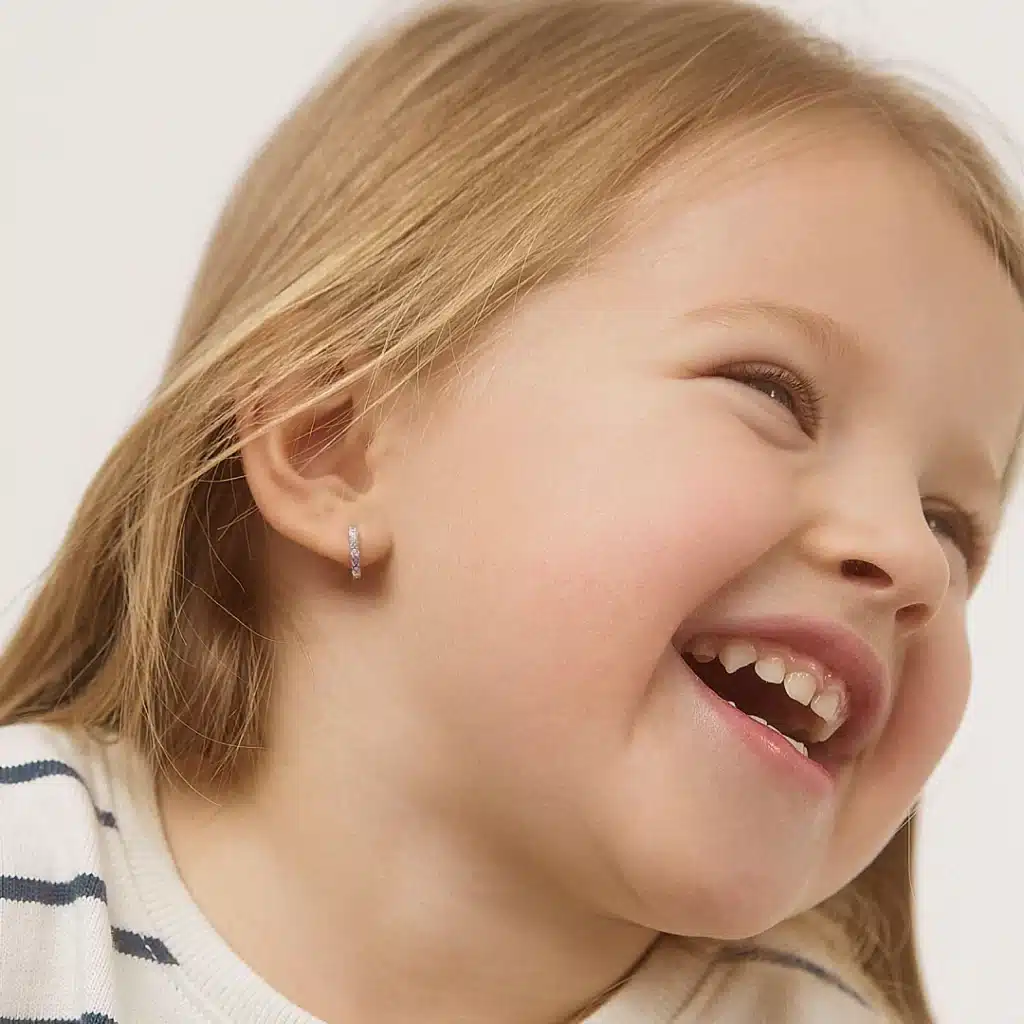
point(581, 535)
point(609, 529)
point(925, 717)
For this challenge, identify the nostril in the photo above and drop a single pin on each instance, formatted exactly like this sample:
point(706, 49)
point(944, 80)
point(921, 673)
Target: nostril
point(913, 616)
point(856, 568)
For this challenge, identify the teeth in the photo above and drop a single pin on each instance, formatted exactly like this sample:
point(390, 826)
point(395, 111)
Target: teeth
point(795, 744)
point(704, 650)
point(826, 731)
point(808, 683)
point(826, 706)
point(736, 655)
point(801, 686)
point(771, 670)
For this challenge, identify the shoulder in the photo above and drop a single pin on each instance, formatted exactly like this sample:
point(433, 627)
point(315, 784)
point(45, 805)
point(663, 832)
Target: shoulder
point(799, 988)
point(55, 820)
point(54, 789)
point(770, 982)
point(74, 935)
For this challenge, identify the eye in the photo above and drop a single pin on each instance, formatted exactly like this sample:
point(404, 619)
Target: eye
point(961, 527)
point(798, 395)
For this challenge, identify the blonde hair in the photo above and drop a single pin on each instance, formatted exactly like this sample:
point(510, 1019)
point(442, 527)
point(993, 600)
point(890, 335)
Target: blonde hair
point(462, 157)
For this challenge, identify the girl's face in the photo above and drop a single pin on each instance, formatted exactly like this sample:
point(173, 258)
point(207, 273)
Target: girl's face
point(760, 426)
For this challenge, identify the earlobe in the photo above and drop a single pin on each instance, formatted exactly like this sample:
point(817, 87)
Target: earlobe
point(311, 480)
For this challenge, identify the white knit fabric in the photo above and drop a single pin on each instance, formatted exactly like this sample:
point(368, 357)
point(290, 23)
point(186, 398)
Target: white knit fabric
point(97, 927)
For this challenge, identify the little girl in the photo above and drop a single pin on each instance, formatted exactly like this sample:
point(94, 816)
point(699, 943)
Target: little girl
point(536, 590)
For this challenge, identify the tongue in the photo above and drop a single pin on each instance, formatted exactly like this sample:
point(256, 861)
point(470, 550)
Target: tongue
point(753, 695)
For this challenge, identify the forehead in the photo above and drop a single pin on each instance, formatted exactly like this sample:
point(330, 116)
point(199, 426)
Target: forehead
point(864, 234)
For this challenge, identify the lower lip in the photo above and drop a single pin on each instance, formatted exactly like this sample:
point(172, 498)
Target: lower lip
point(775, 753)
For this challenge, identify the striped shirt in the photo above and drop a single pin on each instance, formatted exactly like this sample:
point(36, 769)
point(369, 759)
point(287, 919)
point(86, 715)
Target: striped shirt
point(96, 927)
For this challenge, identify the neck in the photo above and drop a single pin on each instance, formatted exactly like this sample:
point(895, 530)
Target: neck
point(381, 900)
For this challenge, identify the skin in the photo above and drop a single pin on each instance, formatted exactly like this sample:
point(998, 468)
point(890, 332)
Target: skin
point(489, 783)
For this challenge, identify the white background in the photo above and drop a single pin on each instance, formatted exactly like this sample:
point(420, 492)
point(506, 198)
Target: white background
point(129, 122)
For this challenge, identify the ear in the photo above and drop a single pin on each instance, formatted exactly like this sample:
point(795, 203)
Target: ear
point(312, 478)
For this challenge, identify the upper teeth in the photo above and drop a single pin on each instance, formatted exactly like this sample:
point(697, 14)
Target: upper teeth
point(803, 679)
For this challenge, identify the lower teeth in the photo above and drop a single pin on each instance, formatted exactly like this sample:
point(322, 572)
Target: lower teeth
point(795, 744)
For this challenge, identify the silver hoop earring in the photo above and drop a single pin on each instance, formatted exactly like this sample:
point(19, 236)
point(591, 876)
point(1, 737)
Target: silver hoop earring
point(353, 552)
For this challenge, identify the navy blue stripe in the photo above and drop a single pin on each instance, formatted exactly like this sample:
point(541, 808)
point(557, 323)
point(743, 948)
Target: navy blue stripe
point(85, 1018)
point(12, 775)
point(61, 894)
point(145, 947)
point(779, 958)
point(52, 894)
point(105, 818)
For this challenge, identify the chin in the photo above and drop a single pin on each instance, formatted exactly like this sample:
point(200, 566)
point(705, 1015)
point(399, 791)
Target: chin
point(728, 899)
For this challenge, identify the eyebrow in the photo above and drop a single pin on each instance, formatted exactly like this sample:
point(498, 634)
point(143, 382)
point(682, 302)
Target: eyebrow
point(837, 342)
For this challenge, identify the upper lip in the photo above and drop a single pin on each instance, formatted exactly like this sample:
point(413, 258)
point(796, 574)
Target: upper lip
point(840, 651)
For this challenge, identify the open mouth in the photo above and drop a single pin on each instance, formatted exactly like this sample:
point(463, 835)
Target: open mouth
point(770, 707)
point(814, 681)
point(795, 699)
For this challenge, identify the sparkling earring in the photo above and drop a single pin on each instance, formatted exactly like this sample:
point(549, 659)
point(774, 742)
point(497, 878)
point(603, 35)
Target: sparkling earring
point(353, 552)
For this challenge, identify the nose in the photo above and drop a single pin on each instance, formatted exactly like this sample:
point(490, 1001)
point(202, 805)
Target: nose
point(877, 539)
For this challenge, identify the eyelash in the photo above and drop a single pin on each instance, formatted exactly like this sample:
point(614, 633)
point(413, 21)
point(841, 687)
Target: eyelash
point(963, 528)
point(965, 531)
point(805, 398)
